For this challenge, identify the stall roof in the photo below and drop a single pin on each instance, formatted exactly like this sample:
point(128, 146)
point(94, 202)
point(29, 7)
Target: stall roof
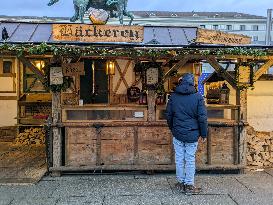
point(24, 32)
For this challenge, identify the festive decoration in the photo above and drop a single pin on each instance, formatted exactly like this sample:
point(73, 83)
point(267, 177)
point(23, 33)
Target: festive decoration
point(74, 50)
point(56, 88)
point(133, 94)
point(137, 53)
point(240, 70)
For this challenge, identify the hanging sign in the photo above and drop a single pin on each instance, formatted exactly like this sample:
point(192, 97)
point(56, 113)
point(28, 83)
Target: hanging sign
point(244, 73)
point(56, 76)
point(97, 33)
point(218, 37)
point(152, 76)
point(69, 98)
point(73, 69)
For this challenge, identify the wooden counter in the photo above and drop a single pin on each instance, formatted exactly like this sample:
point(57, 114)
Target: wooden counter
point(121, 145)
point(136, 144)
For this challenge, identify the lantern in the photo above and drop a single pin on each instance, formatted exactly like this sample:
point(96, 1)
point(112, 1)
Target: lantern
point(224, 94)
point(110, 68)
point(40, 64)
point(197, 68)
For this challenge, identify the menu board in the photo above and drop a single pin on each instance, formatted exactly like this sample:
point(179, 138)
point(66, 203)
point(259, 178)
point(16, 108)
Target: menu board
point(56, 76)
point(152, 76)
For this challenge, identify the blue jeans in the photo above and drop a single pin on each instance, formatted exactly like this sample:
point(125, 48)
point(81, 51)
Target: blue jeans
point(185, 161)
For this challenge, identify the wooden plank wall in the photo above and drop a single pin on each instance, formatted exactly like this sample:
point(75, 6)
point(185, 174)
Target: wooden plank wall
point(142, 145)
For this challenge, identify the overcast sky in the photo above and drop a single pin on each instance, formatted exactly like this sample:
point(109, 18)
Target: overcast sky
point(64, 8)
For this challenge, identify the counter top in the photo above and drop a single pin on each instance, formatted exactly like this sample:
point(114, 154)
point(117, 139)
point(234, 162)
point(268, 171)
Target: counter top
point(211, 122)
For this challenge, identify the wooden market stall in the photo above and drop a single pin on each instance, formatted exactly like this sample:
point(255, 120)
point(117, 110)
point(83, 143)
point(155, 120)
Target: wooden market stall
point(110, 86)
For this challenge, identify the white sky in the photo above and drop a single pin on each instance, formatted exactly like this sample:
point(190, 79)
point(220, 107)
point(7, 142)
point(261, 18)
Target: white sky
point(64, 8)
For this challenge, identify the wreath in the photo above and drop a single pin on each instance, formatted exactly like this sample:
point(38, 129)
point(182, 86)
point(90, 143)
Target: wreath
point(133, 94)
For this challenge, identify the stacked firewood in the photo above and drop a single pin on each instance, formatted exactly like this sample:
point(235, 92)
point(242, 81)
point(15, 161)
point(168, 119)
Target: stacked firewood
point(259, 148)
point(31, 136)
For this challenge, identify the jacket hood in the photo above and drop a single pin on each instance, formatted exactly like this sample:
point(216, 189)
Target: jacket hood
point(186, 85)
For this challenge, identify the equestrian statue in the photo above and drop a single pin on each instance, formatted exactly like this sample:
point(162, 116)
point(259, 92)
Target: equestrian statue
point(116, 8)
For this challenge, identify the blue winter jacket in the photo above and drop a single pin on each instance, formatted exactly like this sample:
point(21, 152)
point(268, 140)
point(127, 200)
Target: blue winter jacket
point(186, 112)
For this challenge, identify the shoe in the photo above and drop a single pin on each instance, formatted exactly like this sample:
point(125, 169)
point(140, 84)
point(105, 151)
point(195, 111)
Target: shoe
point(180, 187)
point(190, 189)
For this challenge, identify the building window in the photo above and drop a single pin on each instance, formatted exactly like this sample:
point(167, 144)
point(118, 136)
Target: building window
point(6, 67)
point(242, 27)
point(215, 27)
point(255, 28)
point(229, 27)
point(255, 38)
point(202, 26)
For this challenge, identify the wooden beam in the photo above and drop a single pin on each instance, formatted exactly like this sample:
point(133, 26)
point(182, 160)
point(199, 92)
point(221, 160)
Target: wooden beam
point(122, 77)
point(57, 135)
point(221, 71)
point(35, 70)
point(209, 148)
point(181, 63)
point(7, 91)
point(263, 69)
point(151, 98)
point(8, 97)
point(241, 99)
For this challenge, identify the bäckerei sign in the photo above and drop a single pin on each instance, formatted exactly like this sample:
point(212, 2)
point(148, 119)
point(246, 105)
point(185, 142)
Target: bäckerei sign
point(97, 33)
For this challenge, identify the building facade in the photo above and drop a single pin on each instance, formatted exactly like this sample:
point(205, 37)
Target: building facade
point(231, 22)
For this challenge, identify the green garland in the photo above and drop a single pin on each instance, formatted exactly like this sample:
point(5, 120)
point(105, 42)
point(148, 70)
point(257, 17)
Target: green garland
point(44, 48)
point(153, 53)
point(58, 88)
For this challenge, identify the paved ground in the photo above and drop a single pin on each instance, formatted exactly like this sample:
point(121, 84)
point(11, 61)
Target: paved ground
point(21, 164)
point(132, 189)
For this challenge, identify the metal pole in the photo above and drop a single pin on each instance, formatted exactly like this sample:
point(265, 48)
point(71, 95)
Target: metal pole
point(268, 27)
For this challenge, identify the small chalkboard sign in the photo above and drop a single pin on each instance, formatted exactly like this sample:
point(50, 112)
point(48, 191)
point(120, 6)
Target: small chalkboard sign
point(56, 76)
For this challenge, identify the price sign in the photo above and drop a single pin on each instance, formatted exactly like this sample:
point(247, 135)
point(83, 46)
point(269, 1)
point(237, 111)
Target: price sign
point(73, 69)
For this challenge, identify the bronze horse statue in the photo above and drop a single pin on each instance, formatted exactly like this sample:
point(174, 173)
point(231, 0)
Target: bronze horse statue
point(117, 8)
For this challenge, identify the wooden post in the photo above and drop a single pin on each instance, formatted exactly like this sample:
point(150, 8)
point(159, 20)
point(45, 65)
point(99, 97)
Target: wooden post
point(241, 99)
point(57, 135)
point(209, 148)
point(151, 105)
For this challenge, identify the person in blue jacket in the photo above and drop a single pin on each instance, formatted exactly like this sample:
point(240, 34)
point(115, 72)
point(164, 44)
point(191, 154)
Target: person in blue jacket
point(187, 120)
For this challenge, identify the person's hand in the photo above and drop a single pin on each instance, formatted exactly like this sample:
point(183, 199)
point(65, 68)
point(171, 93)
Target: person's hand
point(202, 140)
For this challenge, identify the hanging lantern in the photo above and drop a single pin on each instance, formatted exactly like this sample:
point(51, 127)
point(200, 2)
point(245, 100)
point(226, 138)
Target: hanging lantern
point(224, 94)
point(40, 64)
point(110, 68)
point(197, 68)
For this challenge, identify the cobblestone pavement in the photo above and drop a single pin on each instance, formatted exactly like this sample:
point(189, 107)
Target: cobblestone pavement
point(134, 189)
